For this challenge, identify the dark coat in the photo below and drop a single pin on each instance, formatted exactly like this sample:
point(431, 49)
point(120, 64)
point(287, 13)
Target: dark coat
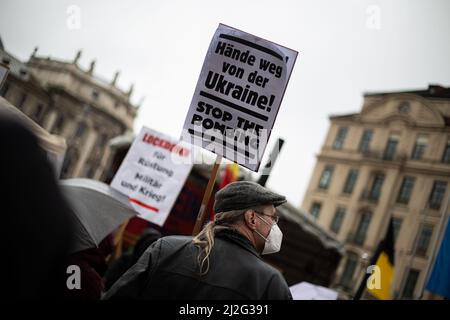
point(127, 260)
point(169, 270)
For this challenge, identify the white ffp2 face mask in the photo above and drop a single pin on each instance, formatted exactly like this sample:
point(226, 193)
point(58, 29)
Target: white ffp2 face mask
point(273, 241)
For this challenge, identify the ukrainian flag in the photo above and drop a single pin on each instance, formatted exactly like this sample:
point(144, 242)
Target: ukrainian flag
point(439, 282)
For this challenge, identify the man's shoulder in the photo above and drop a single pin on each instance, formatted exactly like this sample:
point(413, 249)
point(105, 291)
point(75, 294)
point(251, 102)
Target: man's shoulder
point(248, 260)
point(269, 270)
point(175, 241)
point(169, 245)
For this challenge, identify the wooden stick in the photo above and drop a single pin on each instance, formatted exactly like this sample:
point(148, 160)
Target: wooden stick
point(118, 240)
point(209, 188)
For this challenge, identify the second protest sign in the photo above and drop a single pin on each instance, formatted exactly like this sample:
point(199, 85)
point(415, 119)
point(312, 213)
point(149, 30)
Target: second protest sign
point(153, 173)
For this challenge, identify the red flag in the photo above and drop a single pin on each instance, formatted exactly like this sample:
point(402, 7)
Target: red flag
point(231, 174)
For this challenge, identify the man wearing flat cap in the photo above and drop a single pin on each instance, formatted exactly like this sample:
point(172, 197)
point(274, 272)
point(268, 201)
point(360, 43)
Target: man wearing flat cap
point(222, 262)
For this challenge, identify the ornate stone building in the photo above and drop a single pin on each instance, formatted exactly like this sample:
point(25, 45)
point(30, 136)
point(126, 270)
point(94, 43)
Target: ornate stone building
point(390, 160)
point(74, 103)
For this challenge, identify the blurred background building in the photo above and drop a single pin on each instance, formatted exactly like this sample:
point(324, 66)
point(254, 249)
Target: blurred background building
point(390, 160)
point(69, 101)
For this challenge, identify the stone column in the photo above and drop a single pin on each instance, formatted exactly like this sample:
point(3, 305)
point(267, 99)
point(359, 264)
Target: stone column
point(103, 163)
point(50, 120)
point(85, 151)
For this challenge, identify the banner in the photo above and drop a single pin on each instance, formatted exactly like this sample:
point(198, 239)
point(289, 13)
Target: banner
point(238, 95)
point(153, 173)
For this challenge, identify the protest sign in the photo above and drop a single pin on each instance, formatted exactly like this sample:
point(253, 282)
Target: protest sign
point(238, 95)
point(153, 173)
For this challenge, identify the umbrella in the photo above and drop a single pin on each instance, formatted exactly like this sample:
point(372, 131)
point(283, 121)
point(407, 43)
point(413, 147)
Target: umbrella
point(98, 210)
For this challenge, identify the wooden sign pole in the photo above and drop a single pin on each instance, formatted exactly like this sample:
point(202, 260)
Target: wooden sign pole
point(118, 240)
point(209, 188)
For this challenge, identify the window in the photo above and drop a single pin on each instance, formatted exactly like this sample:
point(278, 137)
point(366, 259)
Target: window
point(57, 128)
point(350, 181)
point(349, 270)
point(340, 138)
point(337, 220)
point(446, 155)
point(405, 190)
point(21, 100)
point(70, 160)
point(375, 190)
point(95, 95)
point(404, 107)
point(396, 224)
point(363, 226)
point(38, 112)
point(101, 141)
point(424, 240)
point(410, 284)
point(419, 148)
point(437, 194)
point(80, 130)
point(4, 90)
point(364, 144)
point(325, 179)
point(315, 210)
point(90, 170)
point(389, 151)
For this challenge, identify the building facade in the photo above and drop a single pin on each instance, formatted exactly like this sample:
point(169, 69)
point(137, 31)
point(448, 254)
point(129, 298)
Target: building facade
point(74, 103)
point(390, 160)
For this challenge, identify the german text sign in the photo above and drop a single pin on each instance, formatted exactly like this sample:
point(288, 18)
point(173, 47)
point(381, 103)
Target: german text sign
point(153, 173)
point(238, 95)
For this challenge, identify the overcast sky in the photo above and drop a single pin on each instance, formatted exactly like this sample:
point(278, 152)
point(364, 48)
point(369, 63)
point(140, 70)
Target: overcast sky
point(345, 48)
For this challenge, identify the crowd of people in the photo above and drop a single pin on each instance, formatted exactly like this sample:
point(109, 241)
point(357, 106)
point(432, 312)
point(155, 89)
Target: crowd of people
point(222, 262)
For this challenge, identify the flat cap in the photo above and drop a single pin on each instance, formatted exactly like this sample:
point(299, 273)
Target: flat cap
point(245, 194)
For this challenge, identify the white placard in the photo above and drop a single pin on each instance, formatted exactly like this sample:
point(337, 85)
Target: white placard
point(238, 95)
point(153, 173)
point(309, 291)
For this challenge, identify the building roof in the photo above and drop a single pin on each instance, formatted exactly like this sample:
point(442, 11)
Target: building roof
point(93, 79)
point(433, 91)
point(343, 116)
point(16, 67)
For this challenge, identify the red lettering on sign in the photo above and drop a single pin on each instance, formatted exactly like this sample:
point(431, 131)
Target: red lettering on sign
point(164, 144)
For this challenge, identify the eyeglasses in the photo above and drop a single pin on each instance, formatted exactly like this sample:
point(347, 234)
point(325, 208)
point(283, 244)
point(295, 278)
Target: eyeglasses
point(275, 218)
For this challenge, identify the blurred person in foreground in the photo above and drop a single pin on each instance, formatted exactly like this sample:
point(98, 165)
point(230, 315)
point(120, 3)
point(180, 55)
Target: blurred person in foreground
point(222, 262)
point(36, 227)
point(118, 267)
point(93, 265)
